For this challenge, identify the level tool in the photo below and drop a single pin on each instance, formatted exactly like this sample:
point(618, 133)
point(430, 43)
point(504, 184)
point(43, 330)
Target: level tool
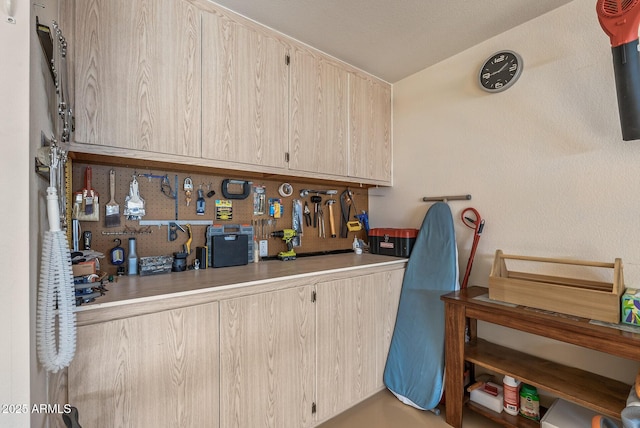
point(68, 182)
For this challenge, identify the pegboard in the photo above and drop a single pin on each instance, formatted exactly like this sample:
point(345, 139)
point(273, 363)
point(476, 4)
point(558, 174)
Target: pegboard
point(153, 240)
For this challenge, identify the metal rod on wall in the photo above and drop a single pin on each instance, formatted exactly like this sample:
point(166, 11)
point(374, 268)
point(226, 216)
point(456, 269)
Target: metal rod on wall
point(446, 198)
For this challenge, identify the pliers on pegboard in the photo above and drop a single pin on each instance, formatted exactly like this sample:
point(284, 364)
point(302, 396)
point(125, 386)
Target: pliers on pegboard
point(307, 214)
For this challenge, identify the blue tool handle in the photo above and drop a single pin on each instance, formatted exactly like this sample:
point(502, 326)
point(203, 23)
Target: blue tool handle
point(200, 203)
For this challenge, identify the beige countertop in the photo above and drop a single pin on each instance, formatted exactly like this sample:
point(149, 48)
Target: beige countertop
point(131, 296)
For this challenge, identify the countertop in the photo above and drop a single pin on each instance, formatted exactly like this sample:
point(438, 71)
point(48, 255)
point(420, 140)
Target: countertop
point(176, 289)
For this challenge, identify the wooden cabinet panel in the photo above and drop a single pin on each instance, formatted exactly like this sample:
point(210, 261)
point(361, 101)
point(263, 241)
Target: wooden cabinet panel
point(387, 299)
point(137, 75)
point(267, 359)
point(318, 114)
point(156, 370)
point(370, 128)
point(184, 78)
point(245, 93)
point(346, 343)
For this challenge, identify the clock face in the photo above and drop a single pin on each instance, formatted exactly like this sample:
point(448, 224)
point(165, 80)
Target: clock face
point(500, 71)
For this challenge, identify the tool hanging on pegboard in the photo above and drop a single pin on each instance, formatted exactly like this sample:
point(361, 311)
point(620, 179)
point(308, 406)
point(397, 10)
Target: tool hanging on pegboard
point(200, 202)
point(347, 225)
point(246, 189)
point(172, 231)
point(86, 204)
point(296, 222)
point(188, 190)
point(224, 209)
point(134, 204)
point(259, 200)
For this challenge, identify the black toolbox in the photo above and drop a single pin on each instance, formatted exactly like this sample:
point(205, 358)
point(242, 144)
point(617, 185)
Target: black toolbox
point(227, 230)
point(392, 242)
point(229, 250)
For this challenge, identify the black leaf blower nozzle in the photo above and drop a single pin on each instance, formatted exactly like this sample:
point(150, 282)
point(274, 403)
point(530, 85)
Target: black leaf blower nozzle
point(626, 65)
point(620, 20)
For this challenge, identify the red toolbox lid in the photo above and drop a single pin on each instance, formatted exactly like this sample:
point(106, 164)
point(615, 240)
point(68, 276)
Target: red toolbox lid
point(394, 233)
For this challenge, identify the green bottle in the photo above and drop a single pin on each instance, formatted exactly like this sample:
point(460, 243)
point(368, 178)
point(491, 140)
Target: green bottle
point(529, 402)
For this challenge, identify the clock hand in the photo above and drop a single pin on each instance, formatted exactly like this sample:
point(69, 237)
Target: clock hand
point(503, 67)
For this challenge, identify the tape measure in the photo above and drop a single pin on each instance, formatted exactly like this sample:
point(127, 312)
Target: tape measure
point(285, 190)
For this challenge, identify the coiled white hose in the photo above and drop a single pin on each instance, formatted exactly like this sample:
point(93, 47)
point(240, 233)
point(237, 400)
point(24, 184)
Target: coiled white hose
point(55, 316)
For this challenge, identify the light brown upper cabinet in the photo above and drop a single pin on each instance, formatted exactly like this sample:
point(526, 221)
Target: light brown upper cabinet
point(245, 91)
point(188, 82)
point(318, 114)
point(137, 75)
point(370, 128)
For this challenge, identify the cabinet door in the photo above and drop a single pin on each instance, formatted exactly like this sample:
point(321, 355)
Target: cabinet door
point(319, 114)
point(245, 93)
point(346, 343)
point(137, 75)
point(267, 360)
point(156, 370)
point(387, 298)
point(370, 128)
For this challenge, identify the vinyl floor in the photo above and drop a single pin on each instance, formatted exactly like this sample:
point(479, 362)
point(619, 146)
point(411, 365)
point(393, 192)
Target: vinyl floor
point(384, 410)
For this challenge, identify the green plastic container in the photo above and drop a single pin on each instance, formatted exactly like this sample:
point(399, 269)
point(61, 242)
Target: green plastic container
point(529, 402)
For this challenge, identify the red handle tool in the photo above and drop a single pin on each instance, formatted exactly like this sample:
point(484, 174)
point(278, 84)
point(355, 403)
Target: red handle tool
point(477, 223)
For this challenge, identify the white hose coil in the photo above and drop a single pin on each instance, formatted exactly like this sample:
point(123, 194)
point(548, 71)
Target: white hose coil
point(55, 316)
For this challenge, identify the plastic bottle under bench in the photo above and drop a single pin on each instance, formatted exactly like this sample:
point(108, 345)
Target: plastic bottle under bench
point(511, 391)
point(529, 402)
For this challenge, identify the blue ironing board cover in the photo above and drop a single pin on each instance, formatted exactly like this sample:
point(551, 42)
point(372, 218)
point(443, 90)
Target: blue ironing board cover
point(415, 365)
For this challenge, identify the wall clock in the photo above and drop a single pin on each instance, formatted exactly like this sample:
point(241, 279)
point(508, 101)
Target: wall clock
point(500, 71)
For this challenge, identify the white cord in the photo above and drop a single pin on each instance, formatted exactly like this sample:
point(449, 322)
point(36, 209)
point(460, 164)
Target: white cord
point(56, 303)
point(56, 293)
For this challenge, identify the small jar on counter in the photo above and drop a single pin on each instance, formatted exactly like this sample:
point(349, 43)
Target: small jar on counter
point(356, 246)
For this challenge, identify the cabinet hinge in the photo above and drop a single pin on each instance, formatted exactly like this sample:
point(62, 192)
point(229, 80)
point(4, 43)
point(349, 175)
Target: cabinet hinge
point(313, 296)
point(287, 59)
point(313, 407)
point(286, 157)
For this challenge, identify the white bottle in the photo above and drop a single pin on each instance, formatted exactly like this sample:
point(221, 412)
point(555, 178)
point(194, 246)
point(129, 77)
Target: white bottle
point(356, 246)
point(256, 251)
point(511, 395)
point(132, 260)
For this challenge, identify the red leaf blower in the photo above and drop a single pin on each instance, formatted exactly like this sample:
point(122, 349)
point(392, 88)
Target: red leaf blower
point(620, 19)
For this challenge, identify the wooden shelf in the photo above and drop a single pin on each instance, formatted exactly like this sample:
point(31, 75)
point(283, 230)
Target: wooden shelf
point(463, 308)
point(604, 395)
point(503, 418)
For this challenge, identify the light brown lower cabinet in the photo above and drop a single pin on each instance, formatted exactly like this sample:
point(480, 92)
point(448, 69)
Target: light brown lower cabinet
point(155, 370)
point(267, 359)
point(288, 358)
point(356, 317)
point(387, 299)
point(289, 362)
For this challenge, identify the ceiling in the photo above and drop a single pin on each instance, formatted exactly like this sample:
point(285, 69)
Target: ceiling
point(392, 39)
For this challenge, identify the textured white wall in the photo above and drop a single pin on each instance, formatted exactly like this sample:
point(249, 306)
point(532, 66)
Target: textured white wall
point(42, 98)
point(544, 161)
point(15, 170)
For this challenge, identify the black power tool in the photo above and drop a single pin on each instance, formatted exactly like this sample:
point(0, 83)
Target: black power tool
point(620, 20)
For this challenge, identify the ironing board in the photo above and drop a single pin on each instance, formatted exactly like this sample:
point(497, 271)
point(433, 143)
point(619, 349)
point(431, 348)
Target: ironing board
point(414, 372)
